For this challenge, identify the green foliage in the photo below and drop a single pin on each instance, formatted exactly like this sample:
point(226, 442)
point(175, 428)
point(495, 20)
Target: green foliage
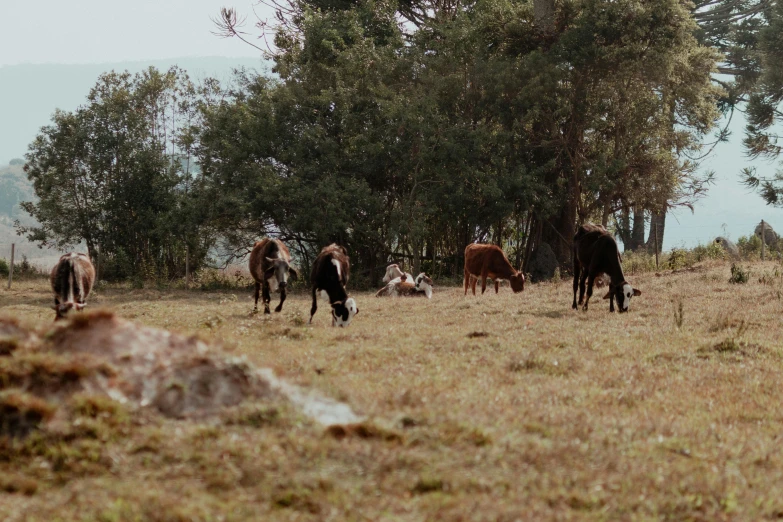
point(711, 250)
point(749, 247)
point(212, 279)
point(16, 161)
point(389, 142)
point(3, 267)
point(118, 174)
point(739, 275)
point(764, 106)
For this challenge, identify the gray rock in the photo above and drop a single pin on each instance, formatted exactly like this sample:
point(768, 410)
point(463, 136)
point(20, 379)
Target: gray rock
point(543, 263)
point(770, 236)
point(728, 246)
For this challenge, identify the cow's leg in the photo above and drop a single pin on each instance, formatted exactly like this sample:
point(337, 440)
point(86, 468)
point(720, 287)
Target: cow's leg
point(267, 296)
point(582, 280)
point(473, 281)
point(611, 300)
point(282, 299)
point(496, 286)
point(590, 281)
point(315, 305)
point(484, 275)
point(577, 273)
point(258, 290)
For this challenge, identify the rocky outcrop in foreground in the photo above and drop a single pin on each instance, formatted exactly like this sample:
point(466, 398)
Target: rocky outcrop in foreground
point(140, 367)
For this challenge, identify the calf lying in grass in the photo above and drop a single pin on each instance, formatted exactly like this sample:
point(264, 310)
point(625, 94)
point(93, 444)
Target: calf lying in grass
point(422, 287)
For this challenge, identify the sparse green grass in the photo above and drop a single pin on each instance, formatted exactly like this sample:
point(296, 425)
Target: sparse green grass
point(494, 407)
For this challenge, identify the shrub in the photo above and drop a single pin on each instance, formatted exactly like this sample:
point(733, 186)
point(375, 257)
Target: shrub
point(749, 247)
point(739, 275)
point(209, 279)
point(3, 267)
point(711, 250)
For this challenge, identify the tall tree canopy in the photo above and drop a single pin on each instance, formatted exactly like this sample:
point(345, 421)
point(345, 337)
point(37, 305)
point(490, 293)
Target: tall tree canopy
point(115, 174)
point(471, 126)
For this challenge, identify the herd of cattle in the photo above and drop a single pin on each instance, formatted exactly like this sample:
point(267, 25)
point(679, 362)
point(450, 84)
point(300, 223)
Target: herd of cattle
point(595, 255)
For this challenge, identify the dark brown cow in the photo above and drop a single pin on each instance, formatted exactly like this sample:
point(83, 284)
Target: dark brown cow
point(596, 253)
point(330, 276)
point(482, 261)
point(270, 266)
point(72, 280)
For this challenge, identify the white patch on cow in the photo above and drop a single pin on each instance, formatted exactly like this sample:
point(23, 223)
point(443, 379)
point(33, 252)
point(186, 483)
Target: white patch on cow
point(627, 293)
point(423, 286)
point(272, 284)
point(336, 264)
point(350, 304)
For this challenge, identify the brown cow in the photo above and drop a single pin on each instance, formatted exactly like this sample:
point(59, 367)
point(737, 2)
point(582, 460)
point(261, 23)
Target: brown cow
point(482, 261)
point(270, 266)
point(72, 279)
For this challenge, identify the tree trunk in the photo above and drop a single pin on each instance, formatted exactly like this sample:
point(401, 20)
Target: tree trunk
point(660, 220)
point(637, 233)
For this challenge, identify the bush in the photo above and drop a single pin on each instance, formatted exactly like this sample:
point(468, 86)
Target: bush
point(739, 275)
point(749, 247)
point(711, 250)
point(209, 279)
point(638, 262)
point(3, 267)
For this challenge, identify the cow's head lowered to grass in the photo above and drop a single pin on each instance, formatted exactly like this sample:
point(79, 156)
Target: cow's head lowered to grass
point(623, 293)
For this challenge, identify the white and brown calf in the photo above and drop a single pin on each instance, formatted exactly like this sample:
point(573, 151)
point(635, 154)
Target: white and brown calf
point(270, 266)
point(394, 274)
point(72, 279)
point(421, 287)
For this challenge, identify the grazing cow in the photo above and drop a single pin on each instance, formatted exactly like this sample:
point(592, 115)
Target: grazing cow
point(482, 261)
point(72, 279)
point(270, 266)
point(596, 253)
point(330, 276)
point(394, 274)
point(422, 287)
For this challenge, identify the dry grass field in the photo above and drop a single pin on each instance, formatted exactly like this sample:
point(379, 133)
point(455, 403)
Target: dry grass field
point(496, 407)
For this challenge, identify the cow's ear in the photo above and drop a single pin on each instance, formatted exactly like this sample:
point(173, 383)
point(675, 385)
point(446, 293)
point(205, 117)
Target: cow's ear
point(293, 272)
point(637, 292)
point(608, 294)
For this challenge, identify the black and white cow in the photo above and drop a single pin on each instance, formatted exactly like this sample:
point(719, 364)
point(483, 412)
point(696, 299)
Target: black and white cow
point(330, 277)
point(596, 253)
point(270, 266)
point(72, 279)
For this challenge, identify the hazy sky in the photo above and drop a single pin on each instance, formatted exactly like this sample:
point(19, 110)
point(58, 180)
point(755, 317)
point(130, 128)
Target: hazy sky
point(90, 31)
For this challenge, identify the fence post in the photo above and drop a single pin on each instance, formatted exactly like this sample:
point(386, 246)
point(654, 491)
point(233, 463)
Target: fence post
point(763, 239)
point(11, 266)
point(656, 245)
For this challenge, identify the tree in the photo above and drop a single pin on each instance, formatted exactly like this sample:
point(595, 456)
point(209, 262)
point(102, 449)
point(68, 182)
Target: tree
point(764, 111)
point(116, 174)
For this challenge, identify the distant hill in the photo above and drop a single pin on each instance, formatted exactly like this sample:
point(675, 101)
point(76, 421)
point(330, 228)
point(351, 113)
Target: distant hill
point(14, 188)
point(29, 94)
